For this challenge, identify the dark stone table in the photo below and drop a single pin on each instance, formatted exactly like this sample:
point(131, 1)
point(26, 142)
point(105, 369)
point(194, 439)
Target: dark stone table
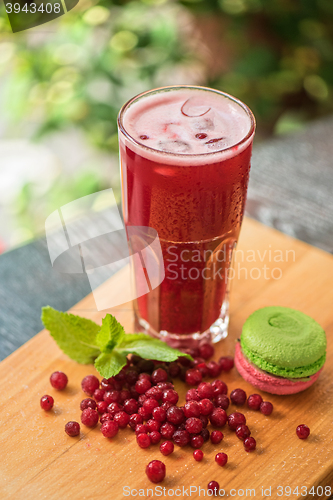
point(291, 186)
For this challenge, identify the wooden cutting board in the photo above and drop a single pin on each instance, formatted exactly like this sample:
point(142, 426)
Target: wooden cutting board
point(38, 460)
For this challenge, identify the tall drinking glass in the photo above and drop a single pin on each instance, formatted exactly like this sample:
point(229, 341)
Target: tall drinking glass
point(185, 159)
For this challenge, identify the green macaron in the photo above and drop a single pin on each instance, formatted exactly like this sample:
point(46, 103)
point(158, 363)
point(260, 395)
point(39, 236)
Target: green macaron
point(284, 342)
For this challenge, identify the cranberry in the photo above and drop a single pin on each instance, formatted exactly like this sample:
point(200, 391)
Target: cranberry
point(214, 369)
point(235, 419)
point(198, 455)
point(155, 471)
point(154, 392)
point(134, 420)
point(143, 440)
point(192, 395)
point(254, 401)
point(205, 434)
point(216, 139)
point(219, 387)
point(59, 380)
point(226, 363)
point(166, 448)
point(185, 361)
point(153, 425)
point(102, 407)
point(155, 437)
point(142, 398)
point(193, 425)
point(112, 396)
point(216, 437)
point(88, 403)
point(145, 376)
point(121, 376)
point(89, 417)
point(159, 414)
point(203, 369)
point(131, 406)
point(205, 390)
point(302, 431)
point(114, 408)
point(243, 432)
point(135, 359)
point(204, 420)
point(250, 444)
point(206, 351)
point(105, 417)
point(192, 409)
point(266, 408)
point(193, 376)
point(135, 395)
point(124, 395)
point(165, 385)
point(117, 386)
point(206, 407)
point(159, 375)
point(214, 487)
point(149, 405)
point(122, 419)
point(174, 369)
point(197, 441)
point(192, 351)
point(238, 397)
point(89, 384)
point(131, 377)
point(171, 396)
point(141, 429)
point(175, 415)
point(110, 381)
point(109, 429)
point(142, 385)
point(181, 437)
point(46, 402)
point(99, 394)
point(167, 430)
point(105, 385)
point(198, 361)
point(165, 406)
point(218, 417)
point(72, 428)
point(222, 401)
point(146, 365)
point(221, 459)
point(201, 135)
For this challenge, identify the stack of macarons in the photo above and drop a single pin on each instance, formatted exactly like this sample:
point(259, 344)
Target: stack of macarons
point(281, 350)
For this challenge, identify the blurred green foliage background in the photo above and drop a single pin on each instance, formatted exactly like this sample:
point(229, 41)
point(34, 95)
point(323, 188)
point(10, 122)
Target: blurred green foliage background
point(275, 55)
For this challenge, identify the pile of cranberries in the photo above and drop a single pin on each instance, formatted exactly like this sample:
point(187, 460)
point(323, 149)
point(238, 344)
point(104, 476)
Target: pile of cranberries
point(142, 397)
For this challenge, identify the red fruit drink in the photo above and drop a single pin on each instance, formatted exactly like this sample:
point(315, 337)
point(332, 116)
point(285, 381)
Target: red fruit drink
point(185, 160)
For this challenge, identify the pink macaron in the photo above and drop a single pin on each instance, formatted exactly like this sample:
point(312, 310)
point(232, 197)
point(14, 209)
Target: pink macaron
point(270, 383)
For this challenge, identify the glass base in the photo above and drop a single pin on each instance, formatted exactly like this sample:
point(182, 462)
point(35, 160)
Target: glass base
point(217, 331)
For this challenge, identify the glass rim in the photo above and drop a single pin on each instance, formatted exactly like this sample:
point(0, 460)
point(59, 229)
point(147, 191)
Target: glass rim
point(127, 104)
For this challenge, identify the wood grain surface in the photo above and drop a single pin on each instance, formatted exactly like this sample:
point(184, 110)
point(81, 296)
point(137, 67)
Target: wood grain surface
point(38, 460)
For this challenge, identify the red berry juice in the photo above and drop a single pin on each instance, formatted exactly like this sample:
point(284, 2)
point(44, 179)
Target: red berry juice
point(185, 160)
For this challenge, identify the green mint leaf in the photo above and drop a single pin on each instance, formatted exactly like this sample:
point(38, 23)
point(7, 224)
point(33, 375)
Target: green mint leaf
point(129, 337)
point(149, 348)
point(109, 364)
point(110, 334)
point(73, 334)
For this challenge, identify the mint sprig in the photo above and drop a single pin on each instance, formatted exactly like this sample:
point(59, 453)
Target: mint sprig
point(107, 346)
point(76, 336)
